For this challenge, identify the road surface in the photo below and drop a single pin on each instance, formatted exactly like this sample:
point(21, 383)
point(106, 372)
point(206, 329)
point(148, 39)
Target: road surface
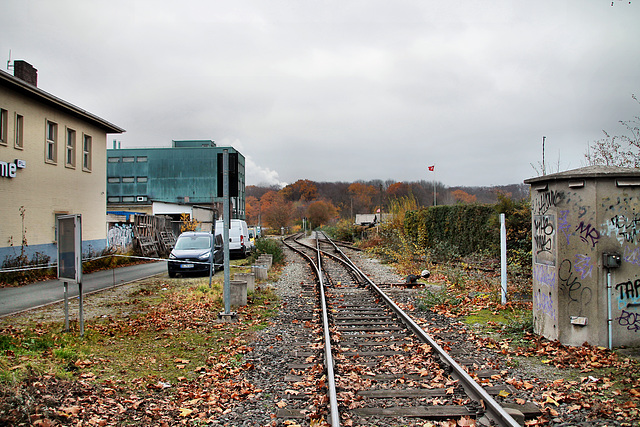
point(15, 300)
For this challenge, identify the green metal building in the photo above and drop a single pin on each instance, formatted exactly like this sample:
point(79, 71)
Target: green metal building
point(171, 180)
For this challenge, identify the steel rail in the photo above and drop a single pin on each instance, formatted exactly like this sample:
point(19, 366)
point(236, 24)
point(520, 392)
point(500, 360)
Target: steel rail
point(334, 412)
point(471, 387)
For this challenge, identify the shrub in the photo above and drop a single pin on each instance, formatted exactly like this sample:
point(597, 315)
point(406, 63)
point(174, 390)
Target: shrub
point(40, 269)
point(270, 246)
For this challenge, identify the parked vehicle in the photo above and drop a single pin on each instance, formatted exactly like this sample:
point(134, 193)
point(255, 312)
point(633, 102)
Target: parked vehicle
point(239, 243)
point(192, 253)
point(254, 233)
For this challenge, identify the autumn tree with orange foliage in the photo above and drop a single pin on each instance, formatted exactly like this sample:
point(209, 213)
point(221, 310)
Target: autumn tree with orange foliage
point(276, 211)
point(398, 189)
point(362, 195)
point(252, 208)
point(303, 190)
point(462, 196)
point(321, 212)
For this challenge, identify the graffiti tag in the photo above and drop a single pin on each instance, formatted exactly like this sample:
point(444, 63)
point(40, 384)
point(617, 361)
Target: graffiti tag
point(630, 320)
point(588, 233)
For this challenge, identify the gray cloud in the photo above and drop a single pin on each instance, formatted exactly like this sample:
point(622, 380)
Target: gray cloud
point(376, 89)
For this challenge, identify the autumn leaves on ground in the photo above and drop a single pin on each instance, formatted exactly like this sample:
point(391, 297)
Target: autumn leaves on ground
point(159, 355)
point(173, 361)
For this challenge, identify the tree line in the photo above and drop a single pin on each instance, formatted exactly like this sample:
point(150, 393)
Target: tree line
point(321, 203)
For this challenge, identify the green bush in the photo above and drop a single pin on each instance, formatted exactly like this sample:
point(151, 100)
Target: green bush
point(462, 229)
point(346, 231)
point(270, 246)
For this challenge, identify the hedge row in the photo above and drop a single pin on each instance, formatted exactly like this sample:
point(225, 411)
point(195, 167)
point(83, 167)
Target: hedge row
point(471, 229)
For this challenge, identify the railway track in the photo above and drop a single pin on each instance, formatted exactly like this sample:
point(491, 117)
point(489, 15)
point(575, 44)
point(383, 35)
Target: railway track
point(371, 364)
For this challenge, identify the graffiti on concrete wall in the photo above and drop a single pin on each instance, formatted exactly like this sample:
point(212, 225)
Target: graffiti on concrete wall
point(544, 239)
point(563, 224)
point(545, 276)
point(583, 265)
point(629, 320)
point(120, 236)
point(576, 294)
point(543, 302)
point(588, 233)
point(546, 201)
point(631, 254)
point(628, 293)
point(626, 228)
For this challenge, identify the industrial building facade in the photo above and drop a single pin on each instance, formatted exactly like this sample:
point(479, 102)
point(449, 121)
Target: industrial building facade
point(181, 179)
point(52, 162)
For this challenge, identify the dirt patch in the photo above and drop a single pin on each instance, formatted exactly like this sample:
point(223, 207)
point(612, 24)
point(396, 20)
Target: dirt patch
point(119, 301)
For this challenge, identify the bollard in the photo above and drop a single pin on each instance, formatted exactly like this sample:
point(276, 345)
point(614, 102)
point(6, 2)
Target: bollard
point(268, 258)
point(259, 271)
point(265, 259)
point(238, 292)
point(250, 278)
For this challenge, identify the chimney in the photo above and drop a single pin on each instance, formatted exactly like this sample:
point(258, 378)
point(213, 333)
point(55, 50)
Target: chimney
point(25, 71)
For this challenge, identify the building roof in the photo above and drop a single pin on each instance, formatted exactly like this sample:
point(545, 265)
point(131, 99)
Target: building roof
point(588, 172)
point(34, 92)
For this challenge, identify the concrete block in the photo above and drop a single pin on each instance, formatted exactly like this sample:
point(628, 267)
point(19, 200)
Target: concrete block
point(259, 271)
point(250, 278)
point(238, 292)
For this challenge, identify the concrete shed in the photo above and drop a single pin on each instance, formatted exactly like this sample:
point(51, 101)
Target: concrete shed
point(586, 256)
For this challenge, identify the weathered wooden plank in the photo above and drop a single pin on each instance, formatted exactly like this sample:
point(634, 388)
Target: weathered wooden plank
point(529, 409)
point(431, 412)
point(406, 393)
point(292, 413)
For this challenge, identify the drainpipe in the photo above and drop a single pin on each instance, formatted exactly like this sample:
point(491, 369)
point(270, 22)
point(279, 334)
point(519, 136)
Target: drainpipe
point(609, 261)
point(609, 319)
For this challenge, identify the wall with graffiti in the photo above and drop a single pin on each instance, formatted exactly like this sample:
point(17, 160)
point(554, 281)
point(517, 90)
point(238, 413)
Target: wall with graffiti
point(120, 236)
point(574, 221)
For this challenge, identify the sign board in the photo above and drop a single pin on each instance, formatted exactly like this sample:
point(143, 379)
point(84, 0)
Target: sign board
point(70, 248)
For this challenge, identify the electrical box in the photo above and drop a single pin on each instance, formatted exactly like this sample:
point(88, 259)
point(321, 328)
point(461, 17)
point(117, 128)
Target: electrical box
point(611, 260)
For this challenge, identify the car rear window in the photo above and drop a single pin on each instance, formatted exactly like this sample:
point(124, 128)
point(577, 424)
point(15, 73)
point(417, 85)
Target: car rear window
point(193, 242)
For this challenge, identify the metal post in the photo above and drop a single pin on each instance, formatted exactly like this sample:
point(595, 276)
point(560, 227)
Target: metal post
point(503, 257)
point(609, 317)
point(66, 306)
point(225, 231)
point(81, 308)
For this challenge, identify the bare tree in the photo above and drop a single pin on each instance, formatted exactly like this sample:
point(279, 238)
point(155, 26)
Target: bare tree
point(618, 150)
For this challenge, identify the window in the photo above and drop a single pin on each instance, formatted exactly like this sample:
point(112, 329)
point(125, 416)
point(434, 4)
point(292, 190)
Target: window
point(86, 153)
point(127, 179)
point(70, 149)
point(128, 159)
point(113, 160)
point(142, 179)
point(52, 142)
point(142, 159)
point(141, 199)
point(19, 131)
point(3, 126)
point(113, 199)
point(128, 199)
point(113, 180)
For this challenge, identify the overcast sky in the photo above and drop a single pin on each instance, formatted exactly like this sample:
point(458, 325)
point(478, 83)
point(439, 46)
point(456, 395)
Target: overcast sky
point(345, 90)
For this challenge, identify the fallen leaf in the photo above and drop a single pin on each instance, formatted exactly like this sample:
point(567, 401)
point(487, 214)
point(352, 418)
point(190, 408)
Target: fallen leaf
point(551, 400)
point(185, 412)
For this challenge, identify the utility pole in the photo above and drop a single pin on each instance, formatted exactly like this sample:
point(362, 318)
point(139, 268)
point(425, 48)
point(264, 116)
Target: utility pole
point(544, 171)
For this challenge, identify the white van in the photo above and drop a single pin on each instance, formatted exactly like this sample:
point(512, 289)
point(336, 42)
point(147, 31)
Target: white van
point(239, 243)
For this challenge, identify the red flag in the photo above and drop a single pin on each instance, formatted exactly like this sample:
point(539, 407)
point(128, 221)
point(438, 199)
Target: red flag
point(431, 168)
